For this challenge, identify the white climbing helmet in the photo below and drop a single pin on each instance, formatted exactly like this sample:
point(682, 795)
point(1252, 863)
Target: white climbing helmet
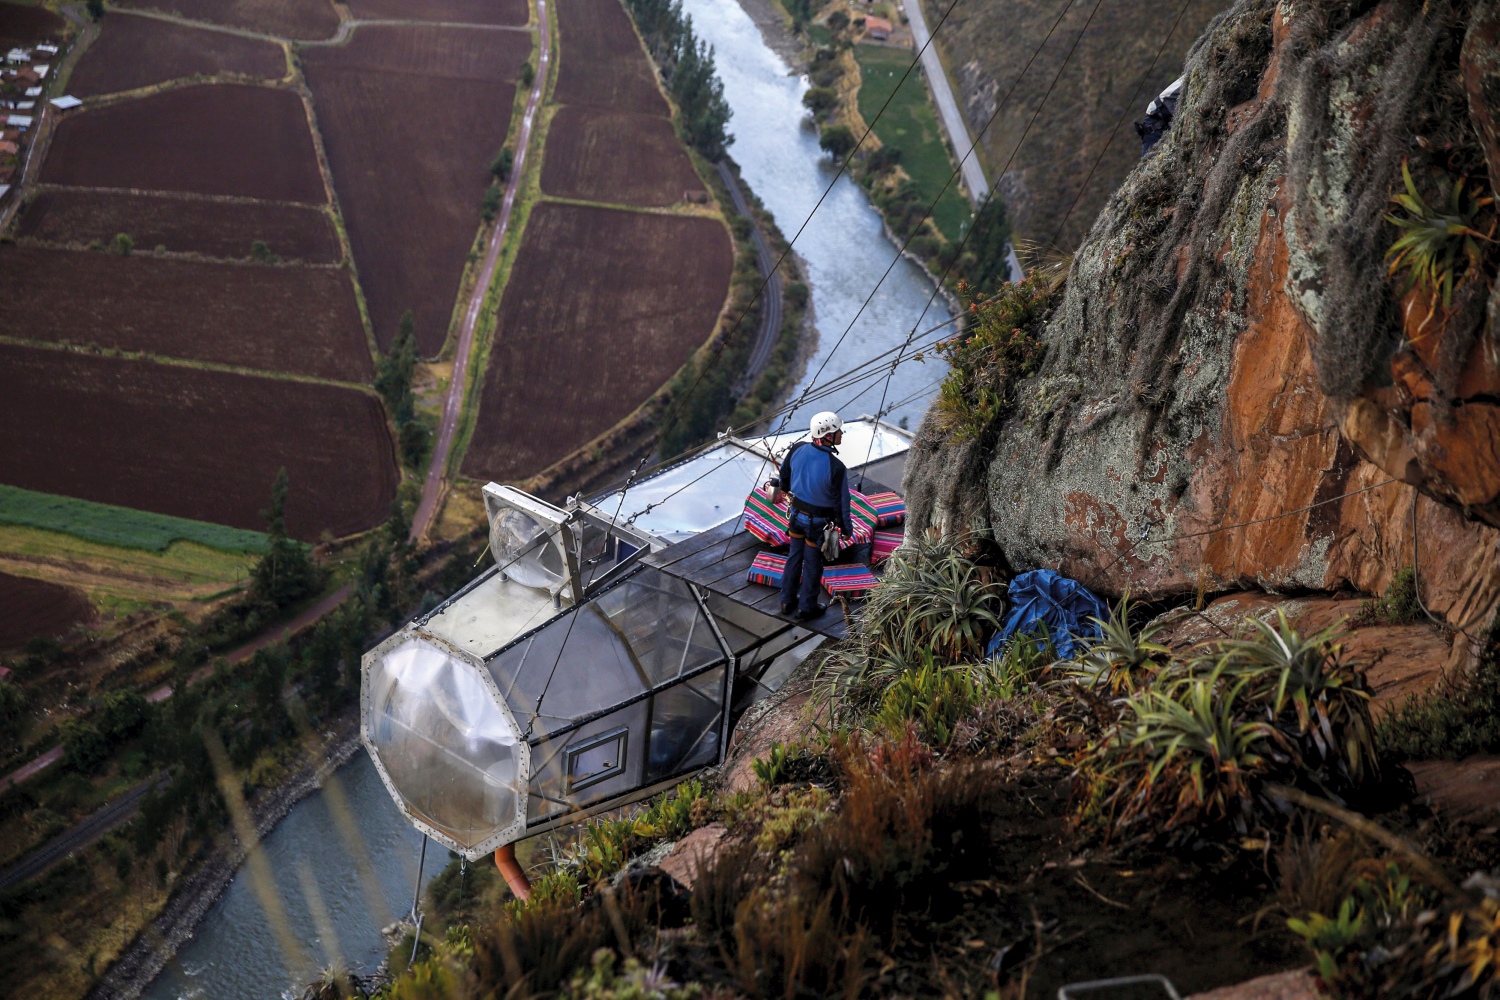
point(825, 423)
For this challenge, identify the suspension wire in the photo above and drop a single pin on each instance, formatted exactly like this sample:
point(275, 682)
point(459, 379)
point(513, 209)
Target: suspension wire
point(1416, 577)
point(933, 206)
point(991, 193)
point(843, 166)
point(869, 298)
point(1134, 98)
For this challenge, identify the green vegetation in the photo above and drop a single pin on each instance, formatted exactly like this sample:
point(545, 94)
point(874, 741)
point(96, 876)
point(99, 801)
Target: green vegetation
point(910, 124)
point(1001, 346)
point(95, 8)
point(123, 244)
point(489, 204)
point(118, 526)
point(395, 373)
point(285, 573)
point(986, 266)
point(528, 73)
point(1398, 606)
point(686, 65)
point(261, 253)
point(1459, 719)
point(502, 164)
point(1439, 248)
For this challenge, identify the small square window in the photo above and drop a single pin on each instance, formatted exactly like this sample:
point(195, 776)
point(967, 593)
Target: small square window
point(597, 758)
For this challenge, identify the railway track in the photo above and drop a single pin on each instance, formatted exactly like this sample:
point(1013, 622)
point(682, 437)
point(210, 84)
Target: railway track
point(770, 316)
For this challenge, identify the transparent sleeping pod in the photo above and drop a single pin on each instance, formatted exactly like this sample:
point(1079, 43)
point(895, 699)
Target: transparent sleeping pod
point(568, 678)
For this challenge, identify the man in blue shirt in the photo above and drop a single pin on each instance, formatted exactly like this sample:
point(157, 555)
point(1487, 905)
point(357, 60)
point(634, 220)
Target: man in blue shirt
point(817, 481)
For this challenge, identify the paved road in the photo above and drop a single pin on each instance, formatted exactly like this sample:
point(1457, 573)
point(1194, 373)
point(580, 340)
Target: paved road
point(85, 833)
point(30, 770)
point(942, 93)
point(432, 489)
point(770, 320)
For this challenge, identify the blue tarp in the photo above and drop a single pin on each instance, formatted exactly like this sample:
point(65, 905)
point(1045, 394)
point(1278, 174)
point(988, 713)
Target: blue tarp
point(1063, 605)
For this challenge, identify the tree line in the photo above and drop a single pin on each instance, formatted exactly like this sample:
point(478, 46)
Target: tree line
point(686, 64)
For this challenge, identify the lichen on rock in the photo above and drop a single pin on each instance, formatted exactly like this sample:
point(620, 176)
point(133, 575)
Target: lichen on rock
point(1231, 396)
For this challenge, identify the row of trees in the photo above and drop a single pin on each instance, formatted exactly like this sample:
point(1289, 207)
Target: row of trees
point(394, 374)
point(687, 68)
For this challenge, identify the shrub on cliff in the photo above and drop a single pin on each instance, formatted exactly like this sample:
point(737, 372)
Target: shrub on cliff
point(1001, 346)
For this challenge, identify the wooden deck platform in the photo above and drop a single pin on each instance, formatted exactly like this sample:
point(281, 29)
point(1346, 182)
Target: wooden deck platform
point(719, 560)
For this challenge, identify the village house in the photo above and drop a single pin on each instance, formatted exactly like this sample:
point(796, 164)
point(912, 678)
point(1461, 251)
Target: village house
point(878, 28)
point(18, 56)
point(9, 149)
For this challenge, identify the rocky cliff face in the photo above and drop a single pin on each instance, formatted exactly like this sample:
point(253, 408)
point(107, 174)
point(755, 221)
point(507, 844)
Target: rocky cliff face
point(1234, 394)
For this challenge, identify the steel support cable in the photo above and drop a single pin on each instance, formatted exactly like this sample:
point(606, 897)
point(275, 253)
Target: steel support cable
point(1009, 160)
point(843, 166)
point(1134, 98)
point(933, 206)
point(869, 298)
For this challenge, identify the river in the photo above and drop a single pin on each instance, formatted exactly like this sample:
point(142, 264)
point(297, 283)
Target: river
point(843, 245)
point(329, 907)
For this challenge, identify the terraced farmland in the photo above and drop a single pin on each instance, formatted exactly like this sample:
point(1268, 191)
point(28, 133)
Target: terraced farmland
point(299, 320)
point(594, 154)
point(194, 443)
point(410, 196)
point(35, 608)
point(601, 60)
point(27, 24)
point(513, 12)
point(602, 308)
point(305, 19)
point(213, 139)
point(141, 52)
point(214, 228)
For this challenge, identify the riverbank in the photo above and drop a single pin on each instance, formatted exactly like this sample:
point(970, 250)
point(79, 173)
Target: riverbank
point(158, 943)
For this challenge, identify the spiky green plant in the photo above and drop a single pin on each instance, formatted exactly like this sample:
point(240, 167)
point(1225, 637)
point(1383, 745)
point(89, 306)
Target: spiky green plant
point(933, 697)
point(1311, 693)
point(1188, 756)
point(1439, 247)
point(1121, 659)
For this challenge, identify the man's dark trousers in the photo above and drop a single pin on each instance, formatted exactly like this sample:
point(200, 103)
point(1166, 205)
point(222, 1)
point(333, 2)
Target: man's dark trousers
point(804, 561)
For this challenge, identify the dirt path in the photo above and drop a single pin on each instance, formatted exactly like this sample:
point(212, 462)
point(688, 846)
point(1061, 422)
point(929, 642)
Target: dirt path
point(432, 489)
point(346, 28)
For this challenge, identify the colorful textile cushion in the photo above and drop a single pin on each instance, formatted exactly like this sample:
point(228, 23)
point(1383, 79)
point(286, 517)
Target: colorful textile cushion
point(768, 569)
point(890, 509)
point(768, 521)
point(765, 520)
point(850, 581)
point(883, 544)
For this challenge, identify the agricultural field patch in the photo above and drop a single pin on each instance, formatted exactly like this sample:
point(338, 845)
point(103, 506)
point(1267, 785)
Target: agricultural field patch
point(133, 52)
point(305, 19)
point(411, 119)
point(514, 12)
point(602, 61)
point(192, 443)
point(31, 609)
point(122, 527)
point(596, 154)
point(603, 306)
point(281, 319)
point(185, 225)
point(224, 139)
point(27, 24)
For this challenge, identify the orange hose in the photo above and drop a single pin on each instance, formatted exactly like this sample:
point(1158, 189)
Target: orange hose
point(510, 868)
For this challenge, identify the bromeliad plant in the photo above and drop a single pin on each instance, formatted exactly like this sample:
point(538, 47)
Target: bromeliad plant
point(1197, 743)
point(1122, 660)
point(1440, 245)
point(1001, 346)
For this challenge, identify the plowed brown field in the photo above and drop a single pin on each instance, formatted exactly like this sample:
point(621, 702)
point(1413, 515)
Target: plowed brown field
point(305, 19)
point(194, 443)
point(286, 319)
point(461, 11)
point(30, 609)
point(186, 225)
point(226, 139)
point(411, 118)
point(599, 155)
point(28, 24)
point(602, 308)
point(138, 52)
point(602, 61)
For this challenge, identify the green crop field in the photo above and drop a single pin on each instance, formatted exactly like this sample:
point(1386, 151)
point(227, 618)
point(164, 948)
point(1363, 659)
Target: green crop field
point(910, 124)
point(119, 526)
